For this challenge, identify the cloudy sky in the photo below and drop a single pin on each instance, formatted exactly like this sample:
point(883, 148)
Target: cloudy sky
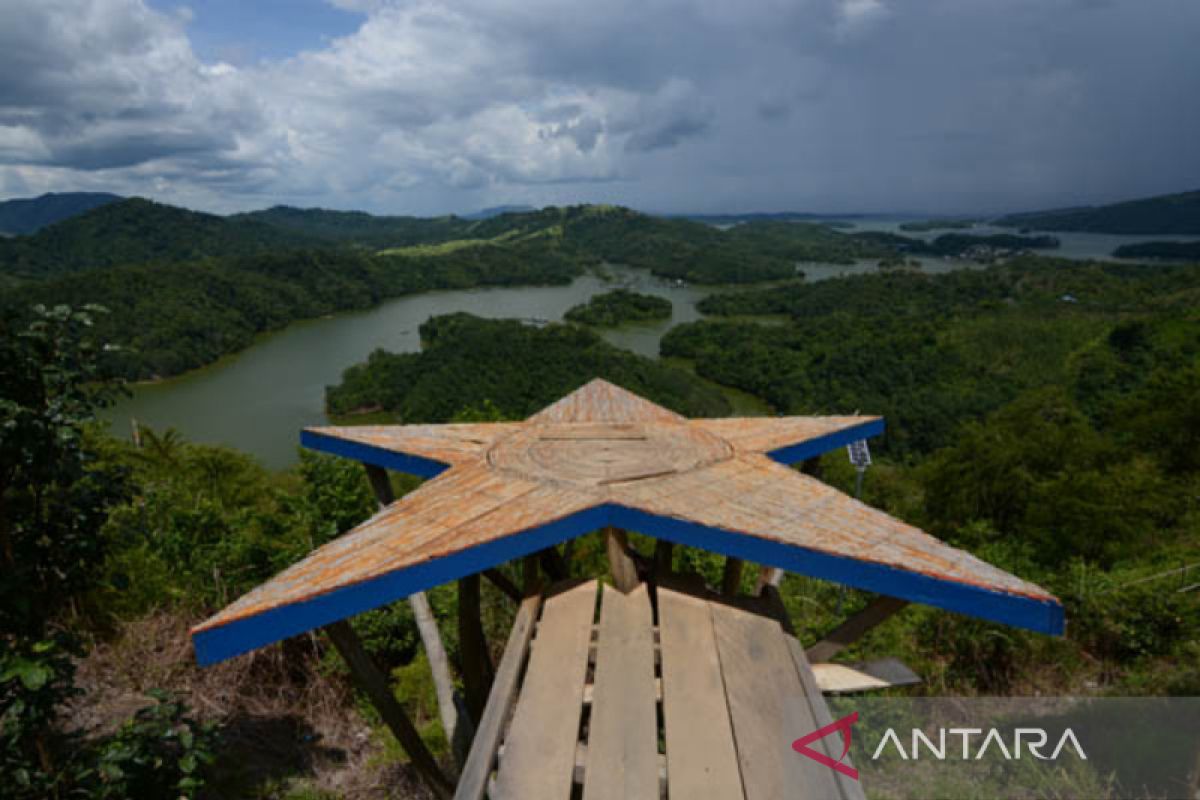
point(406, 106)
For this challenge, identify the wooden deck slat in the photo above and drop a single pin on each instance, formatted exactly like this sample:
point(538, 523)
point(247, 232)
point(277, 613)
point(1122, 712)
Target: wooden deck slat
point(473, 782)
point(760, 680)
point(539, 753)
point(847, 787)
point(702, 762)
point(623, 735)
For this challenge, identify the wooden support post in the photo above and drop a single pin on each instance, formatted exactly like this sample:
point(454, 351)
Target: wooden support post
point(431, 638)
point(768, 576)
point(373, 683)
point(774, 602)
point(664, 557)
point(624, 571)
point(854, 628)
point(501, 582)
point(529, 575)
point(553, 564)
point(812, 466)
point(731, 581)
point(381, 484)
point(477, 671)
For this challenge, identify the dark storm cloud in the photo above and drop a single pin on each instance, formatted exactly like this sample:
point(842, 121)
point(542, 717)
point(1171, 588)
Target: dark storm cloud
point(938, 105)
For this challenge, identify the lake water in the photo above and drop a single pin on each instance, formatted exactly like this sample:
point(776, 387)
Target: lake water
point(259, 399)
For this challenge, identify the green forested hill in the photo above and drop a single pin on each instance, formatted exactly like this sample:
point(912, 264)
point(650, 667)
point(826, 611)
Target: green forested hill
point(358, 227)
point(471, 363)
point(22, 216)
point(168, 318)
point(930, 351)
point(1177, 214)
point(137, 231)
point(1173, 251)
point(617, 307)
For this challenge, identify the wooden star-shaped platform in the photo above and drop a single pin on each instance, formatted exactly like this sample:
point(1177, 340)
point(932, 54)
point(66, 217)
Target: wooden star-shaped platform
point(603, 456)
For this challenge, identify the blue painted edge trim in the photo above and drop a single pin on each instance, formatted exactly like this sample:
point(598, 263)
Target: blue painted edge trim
point(241, 636)
point(1011, 609)
point(370, 454)
point(823, 444)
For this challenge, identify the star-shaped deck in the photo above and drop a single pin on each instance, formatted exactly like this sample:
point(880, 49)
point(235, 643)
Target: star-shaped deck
point(603, 456)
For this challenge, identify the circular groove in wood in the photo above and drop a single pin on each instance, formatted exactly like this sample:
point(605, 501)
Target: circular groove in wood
point(589, 455)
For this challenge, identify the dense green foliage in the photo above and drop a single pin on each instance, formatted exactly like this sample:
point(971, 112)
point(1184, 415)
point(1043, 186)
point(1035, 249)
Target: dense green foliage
point(928, 351)
point(938, 225)
point(186, 288)
point(518, 369)
point(137, 231)
point(954, 244)
point(1172, 251)
point(358, 227)
point(56, 492)
point(171, 318)
point(19, 217)
point(619, 306)
point(1165, 214)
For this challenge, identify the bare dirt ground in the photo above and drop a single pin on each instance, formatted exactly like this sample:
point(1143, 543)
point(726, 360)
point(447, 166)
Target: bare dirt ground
point(285, 722)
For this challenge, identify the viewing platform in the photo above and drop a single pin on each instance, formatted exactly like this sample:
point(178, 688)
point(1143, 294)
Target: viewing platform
point(655, 686)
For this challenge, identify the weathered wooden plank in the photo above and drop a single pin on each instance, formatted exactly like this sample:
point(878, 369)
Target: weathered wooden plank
point(477, 667)
point(885, 673)
point(624, 572)
point(760, 680)
point(539, 753)
point(702, 762)
point(623, 732)
point(847, 787)
point(373, 683)
point(854, 628)
point(473, 783)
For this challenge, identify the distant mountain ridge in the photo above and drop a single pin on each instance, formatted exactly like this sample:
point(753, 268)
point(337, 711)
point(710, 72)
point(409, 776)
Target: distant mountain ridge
point(495, 211)
point(25, 215)
point(1168, 214)
point(136, 231)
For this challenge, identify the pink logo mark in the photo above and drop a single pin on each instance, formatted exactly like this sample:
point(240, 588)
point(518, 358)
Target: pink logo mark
point(801, 745)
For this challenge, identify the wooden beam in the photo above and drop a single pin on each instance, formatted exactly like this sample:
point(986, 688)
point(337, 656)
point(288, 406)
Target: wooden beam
point(473, 783)
point(431, 638)
point(501, 582)
point(477, 670)
point(530, 578)
point(553, 564)
point(731, 580)
point(768, 576)
point(773, 601)
point(624, 571)
point(854, 628)
point(812, 466)
point(381, 484)
point(664, 557)
point(373, 683)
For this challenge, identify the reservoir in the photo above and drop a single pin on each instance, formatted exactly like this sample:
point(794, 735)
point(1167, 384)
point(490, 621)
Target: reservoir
point(258, 400)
